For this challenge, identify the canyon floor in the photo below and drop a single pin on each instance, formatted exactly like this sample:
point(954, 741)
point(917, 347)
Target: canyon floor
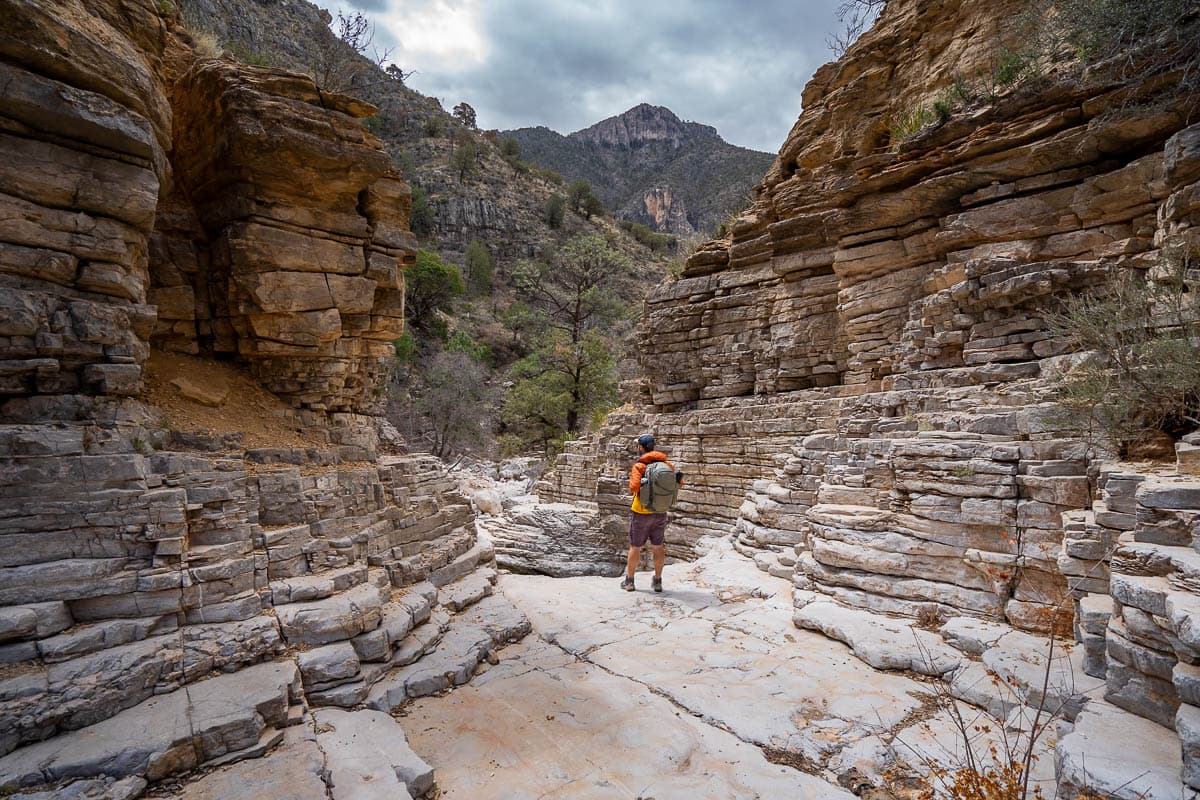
point(704, 688)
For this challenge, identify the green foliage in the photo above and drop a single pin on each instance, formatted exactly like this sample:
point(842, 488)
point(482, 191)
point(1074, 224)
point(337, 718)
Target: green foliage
point(248, 56)
point(556, 207)
point(403, 161)
point(570, 309)
point(166, 8)
point(420, 219)
point(1141, 371)
point(908, 123)
point(406, 348)
point(510, 149)
point(464, 157)
point(560, 384)
point(582, 201)
point(479, 268)
point(435, 126)
point(461, 342)
point(657, 242)
point(430, 287)
point(373, 124)
point(548, 175)
point(464, 115)
point(1011, 67)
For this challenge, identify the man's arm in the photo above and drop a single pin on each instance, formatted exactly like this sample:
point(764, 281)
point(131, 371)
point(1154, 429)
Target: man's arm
point(635, 477)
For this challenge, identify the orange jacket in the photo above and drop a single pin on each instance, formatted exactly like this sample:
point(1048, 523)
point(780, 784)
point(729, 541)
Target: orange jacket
point(635, 478)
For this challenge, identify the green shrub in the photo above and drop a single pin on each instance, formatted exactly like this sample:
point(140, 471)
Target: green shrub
point(556, 207)
point(1141, 370)
point(908, 123)
point(406, 348)
point(461, 342)
point(421, 219)
point(435, 126)
point(478, 262)
point(403, 161)
point(510, 149)
point(248, 56)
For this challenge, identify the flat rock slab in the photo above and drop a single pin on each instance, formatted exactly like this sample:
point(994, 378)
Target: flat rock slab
point(91, 789)
point(643, 694)
point(1121, 756)
point(368, 756)
point(167, 734)
point(292, 772)
point(883, 642)
point(554, 730)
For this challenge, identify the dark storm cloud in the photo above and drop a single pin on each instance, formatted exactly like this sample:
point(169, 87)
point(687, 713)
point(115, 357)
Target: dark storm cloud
point(739, 66)
point(368, 5)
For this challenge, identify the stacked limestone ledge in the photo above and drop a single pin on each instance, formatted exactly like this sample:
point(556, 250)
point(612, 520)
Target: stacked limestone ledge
point(857, 381)
point(168, 599)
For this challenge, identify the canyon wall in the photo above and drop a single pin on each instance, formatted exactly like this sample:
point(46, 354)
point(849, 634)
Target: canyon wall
point(858, 381)
point(171, 597)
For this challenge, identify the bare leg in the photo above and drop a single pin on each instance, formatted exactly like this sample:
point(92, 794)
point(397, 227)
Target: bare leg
point(631, 562)
point(659, 552)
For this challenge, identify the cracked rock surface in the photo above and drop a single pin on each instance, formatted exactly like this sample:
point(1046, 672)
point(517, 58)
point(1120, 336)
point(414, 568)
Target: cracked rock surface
point(640, 694)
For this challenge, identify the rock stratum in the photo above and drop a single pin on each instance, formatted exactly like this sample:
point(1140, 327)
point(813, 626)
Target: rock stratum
point(171, 599)
point(857, 380)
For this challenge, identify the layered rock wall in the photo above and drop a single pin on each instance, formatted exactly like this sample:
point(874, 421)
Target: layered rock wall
point(152, 197)
point(862, 369)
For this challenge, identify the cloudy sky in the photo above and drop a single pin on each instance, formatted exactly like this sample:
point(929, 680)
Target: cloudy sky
point(738, 65)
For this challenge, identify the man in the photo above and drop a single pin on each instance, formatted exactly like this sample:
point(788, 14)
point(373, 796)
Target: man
point(644, 524)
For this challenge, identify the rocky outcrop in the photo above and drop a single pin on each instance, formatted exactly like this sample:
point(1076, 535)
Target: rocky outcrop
point(636, 160)
point(663, 211)
point(161, 195)
point(305, 233)
point(170, 599)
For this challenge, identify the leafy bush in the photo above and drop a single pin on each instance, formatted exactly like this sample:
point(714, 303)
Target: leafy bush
point(479, 268)
point(582, 201)
point(464, 157)
point(461, 342)
point(1141, 370)
point(406, 348)
point(555, 208)
point(1135, 39)
point(510, 149)
point(420, 219)
point(548, 175)
point(657, 242)
point(435, 126)
point(907, 123)
point(430, 287)
point(403, 161)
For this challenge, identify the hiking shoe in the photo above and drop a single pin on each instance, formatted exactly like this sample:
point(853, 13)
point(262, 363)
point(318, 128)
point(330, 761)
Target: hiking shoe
point(657, 584)
point(627, 584)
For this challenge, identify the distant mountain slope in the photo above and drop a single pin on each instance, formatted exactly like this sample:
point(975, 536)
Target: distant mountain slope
point(649, 166)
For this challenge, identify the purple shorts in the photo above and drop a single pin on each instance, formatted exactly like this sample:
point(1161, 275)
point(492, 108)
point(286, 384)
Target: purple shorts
point(647, 526)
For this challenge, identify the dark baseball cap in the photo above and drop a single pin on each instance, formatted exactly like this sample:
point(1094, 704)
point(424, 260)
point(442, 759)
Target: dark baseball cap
point(646, 441)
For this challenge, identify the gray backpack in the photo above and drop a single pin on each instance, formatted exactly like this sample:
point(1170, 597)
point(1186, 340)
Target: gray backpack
point(659, 487)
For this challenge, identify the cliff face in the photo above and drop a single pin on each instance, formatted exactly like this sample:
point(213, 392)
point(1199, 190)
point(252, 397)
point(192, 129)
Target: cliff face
point(255, 211)
point(630, 159)
point(152, 196)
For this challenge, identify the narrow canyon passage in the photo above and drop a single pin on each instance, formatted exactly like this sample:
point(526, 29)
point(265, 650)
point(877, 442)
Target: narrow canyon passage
point(704, 690)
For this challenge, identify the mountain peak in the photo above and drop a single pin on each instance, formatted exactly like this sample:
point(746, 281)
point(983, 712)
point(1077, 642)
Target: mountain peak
point(641, 124)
